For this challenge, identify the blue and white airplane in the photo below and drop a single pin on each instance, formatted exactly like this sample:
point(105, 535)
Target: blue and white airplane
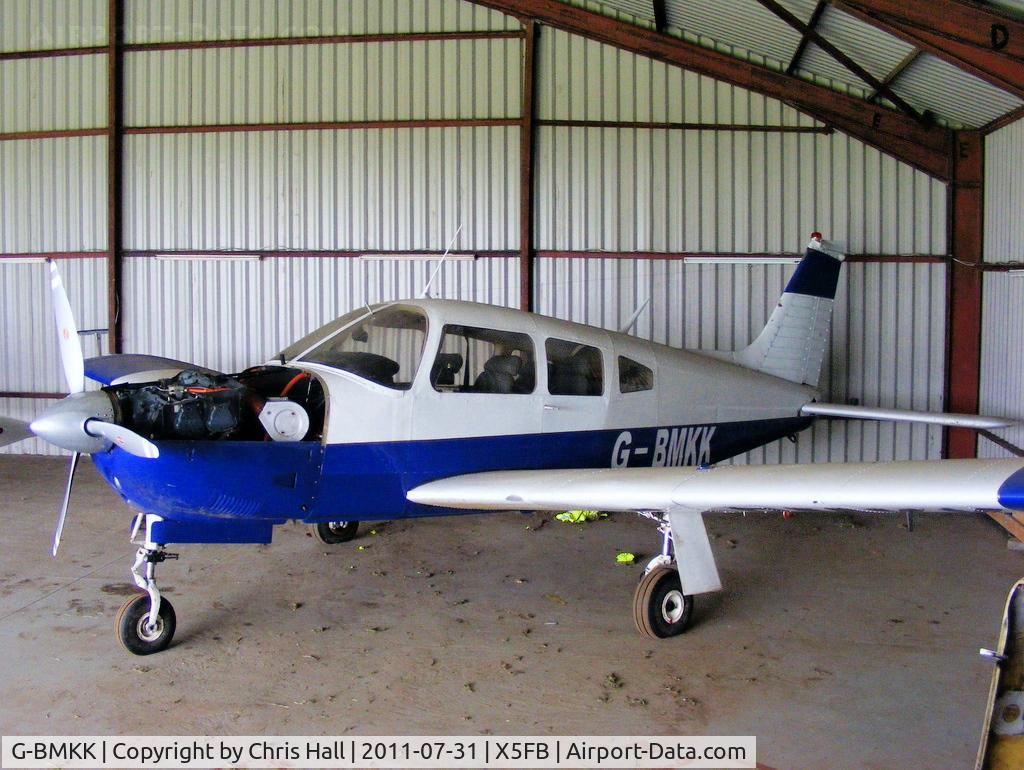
point(428, 407)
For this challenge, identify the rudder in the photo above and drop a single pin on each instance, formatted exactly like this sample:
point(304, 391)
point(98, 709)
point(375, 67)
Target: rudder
point(793, 343)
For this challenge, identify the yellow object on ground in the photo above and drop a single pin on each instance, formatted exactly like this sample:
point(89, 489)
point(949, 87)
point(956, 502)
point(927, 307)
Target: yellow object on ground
point(580, 517)
point(625, 558)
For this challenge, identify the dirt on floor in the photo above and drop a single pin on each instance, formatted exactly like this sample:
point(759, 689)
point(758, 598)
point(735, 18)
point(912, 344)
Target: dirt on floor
point(839, 641)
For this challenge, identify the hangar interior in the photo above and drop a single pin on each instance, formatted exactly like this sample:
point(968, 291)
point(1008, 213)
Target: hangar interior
point(216, 179)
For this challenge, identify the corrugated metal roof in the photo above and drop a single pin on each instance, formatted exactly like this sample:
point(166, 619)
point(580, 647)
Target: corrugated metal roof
point(748, 30)
point(1013, 7)
point(871, 48)
point(932, 84)
point(742, 23)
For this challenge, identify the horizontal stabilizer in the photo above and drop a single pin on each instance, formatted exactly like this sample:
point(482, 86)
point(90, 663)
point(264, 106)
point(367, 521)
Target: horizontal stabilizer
point(134, 367)
point(977, 421)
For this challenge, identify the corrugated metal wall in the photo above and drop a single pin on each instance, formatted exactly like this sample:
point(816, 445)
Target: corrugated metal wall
point(52, 191)
point(885, 351)
point(628, 189)
point(597, 189)
point(1002, 342)
point(233, 314)
point(28, 345)
point(384, 189)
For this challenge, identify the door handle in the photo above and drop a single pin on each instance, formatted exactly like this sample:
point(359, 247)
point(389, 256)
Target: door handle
point(551, 408)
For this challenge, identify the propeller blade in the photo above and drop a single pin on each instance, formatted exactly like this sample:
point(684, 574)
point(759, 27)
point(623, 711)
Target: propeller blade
point(64, 505)
point(128, 440)
point(67, 334)
point(12, 431)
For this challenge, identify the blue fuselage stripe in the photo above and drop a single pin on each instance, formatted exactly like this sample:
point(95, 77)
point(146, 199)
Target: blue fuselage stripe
point(275, 482)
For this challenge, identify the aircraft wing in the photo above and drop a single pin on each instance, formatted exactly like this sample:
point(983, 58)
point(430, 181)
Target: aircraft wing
point(683, 494)
point(935, 485)
point(122, 368)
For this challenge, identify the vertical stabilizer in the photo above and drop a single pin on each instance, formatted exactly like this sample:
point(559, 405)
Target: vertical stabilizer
point(793, 343)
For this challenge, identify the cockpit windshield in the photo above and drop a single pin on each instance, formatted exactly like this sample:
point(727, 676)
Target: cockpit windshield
point(384, 347)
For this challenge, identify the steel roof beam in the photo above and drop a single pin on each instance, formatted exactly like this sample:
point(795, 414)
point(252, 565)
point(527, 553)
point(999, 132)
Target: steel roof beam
point(660, 15)
point(805, 39)
point(828, 47)
point(975, 38)
point(925, 147)
point(896, 71)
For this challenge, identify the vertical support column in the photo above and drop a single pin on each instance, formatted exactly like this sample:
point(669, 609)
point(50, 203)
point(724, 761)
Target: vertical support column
point(963, 337)
point(115, 146)
point(527, 134)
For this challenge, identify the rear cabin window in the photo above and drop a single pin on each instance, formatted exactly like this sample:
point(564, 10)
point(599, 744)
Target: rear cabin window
point(385, 347)
point(477, 360)
point(574, 369)
point(634, 376)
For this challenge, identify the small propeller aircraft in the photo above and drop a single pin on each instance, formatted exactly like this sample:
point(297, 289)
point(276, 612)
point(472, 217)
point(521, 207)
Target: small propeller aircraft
point(428, 407)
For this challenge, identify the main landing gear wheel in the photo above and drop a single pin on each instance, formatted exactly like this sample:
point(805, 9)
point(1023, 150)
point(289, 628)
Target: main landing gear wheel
point(334, 532)
point(137, 634)
point(660, 608)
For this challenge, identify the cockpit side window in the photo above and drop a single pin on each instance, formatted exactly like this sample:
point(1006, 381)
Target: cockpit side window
point(475, 360)
point(634, 376)
point(574, 369)
point(385, 347)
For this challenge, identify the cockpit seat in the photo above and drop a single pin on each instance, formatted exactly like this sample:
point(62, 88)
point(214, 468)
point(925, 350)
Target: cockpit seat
point(371, 366)
point(499, 375)
point(571, 377)
point(445, 367)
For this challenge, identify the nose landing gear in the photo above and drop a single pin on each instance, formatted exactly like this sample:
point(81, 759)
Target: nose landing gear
point(146, 622)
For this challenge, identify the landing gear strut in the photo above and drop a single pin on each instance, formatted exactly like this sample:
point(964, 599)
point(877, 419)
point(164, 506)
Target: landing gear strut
point(145, 623)
point(660, 608)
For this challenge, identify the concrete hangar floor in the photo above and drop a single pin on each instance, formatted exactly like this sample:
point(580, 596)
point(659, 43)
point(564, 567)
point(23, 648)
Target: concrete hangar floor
point(839, 641)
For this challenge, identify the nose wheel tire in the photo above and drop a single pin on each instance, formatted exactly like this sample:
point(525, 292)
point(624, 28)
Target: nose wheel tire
point(133, 626)
point(334, 532)
point(660, 608)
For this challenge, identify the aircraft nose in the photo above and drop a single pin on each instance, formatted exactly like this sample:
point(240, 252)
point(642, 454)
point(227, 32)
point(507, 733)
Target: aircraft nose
point(63, 424)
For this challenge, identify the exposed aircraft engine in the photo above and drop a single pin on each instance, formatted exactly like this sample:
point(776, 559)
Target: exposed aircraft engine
point(247, 406)
point(191, 405)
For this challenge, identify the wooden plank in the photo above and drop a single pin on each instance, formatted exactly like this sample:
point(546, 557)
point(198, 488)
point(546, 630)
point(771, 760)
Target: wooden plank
point(1011, 524)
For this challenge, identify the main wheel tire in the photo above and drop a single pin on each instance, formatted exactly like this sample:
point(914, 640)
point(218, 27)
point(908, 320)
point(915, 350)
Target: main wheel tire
point(660, 608)
point(334, 532)
point(131, 624)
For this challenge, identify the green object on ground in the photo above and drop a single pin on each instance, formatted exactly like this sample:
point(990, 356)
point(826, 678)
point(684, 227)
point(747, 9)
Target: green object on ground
point(625, 558)
point(580, 517)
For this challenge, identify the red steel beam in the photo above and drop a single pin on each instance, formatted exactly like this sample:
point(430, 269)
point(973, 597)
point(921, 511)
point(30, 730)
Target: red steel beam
point(527, 136)
point(231, 128)
point(30, 394)
point(52, 53)
point(59, 133)
point(963, 333)
point(115, 167)
point(976, 38)
point(927, 148)
point(669, 126)
point(264, 42)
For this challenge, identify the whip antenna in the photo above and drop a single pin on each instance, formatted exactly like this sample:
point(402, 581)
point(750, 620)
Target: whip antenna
point(426, 289)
